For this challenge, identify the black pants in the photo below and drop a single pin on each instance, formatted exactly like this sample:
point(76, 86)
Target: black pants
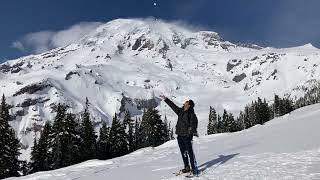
point(185, 145)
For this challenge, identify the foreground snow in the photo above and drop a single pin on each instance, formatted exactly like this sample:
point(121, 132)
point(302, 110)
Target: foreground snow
point(284, 148)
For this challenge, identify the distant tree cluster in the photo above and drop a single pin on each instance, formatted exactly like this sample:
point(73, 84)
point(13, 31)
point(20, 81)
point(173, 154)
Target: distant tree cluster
point(221, 124)
point(311, 96)
point(257, 112)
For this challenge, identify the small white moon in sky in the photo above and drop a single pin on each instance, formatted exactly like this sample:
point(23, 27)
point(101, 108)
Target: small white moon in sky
point(155, 4)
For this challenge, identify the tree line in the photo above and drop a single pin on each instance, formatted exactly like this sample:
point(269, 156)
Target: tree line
point(257, 112)
point(72, 139)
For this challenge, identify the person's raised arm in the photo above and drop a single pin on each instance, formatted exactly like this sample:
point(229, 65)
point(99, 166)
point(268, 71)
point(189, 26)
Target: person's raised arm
point(173, 106)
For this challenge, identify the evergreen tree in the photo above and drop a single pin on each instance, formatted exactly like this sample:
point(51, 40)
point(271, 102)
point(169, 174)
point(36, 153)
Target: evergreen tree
point(130, 136)
point(74, 140)
point(9, 151)
point(166, 128)
point(220, 124)
point(88, 135)
point(259, 111)
point(212, 125)
point(158, 132)
point(66, 142)
point(35, 158)
point(265, 112)
point(241, 121)
point(152, 128)
point(171, 134)
point(247, 122)
point(137, 135)
point(118, 140)
point(127, 121)
point(41, 154)
point(277, 106)
point(58, 149)
point(103, 143)
point(271, 111)
point(233, 125)
point(225, 121)
point(252, 115)
point(288, 105)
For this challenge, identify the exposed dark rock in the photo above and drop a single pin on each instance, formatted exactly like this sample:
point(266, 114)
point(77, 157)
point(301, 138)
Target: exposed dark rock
point(248, 45)
point(146, 103)
point(176, 39)
point(164, 49)
point(138, 43)
point(108, 56)
point(239, 77)
point(19, 113)
point(13, 69)
point(233, 63)
point(58, 66)
point(254, 73)
point(273, 74)
point(187, 42)
point(99, 82)
point(30, 89)
point(120, 49)
point(211, 38)
point(255, 58)
point(54, 107)
point(149, 44)
point(5, 68)
point(226, 46)
point(49, 55)
point(30, 102)
point(246, 87)
point(139, 104)
point(69, 75)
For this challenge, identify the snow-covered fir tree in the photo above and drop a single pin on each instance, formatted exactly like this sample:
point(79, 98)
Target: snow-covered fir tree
point(212, 124)
point(118, 139)
point(88, 136)
point(103, 144)
point(41, 155)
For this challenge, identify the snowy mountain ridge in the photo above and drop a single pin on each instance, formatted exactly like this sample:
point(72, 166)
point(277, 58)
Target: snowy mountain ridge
point(127, 63)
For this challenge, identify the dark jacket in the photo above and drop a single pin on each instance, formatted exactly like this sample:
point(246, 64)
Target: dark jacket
point(187, 120)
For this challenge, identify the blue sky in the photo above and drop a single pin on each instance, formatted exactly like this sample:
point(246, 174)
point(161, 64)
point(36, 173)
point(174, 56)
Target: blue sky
point(32, 26)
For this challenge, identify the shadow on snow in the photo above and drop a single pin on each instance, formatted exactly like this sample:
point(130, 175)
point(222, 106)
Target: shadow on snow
point(218, 161)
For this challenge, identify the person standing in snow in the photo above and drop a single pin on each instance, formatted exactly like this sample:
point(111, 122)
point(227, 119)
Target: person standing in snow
point(186, 128)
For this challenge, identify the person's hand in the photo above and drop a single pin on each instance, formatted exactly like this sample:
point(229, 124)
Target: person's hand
point(196, 134)
point(163, 97)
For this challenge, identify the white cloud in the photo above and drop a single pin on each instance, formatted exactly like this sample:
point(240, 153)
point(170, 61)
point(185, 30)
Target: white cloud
point(39, 42)
point(18, 45)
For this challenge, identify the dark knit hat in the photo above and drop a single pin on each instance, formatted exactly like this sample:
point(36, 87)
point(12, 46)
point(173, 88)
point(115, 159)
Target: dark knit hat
point(191, 103)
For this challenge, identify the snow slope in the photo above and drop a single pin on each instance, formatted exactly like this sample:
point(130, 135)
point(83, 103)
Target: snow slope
point(125, 64)
point(287, 147)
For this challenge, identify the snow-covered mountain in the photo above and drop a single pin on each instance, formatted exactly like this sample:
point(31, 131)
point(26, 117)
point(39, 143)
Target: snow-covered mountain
point(127, 63)
point(285, 148)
